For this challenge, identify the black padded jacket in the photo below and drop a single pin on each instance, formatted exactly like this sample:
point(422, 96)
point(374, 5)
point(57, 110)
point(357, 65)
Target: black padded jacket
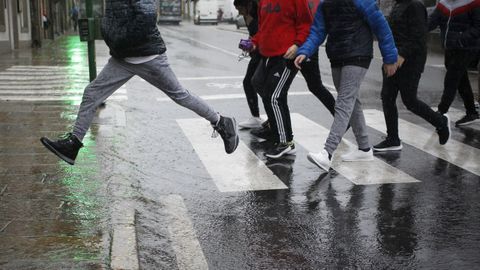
point(130, 29)
point(459, 22)
point(408, 21)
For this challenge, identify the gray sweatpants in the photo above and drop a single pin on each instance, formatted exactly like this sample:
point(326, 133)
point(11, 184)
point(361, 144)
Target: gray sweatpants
point(117, 72)
point(348, 108)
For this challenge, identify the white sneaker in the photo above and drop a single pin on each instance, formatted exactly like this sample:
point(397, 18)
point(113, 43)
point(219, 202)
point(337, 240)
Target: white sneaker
point(358, 155)
point(320, 159)
point(252, 122)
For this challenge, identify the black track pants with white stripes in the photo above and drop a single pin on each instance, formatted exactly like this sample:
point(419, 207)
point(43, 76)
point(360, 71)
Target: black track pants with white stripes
point(272, 79)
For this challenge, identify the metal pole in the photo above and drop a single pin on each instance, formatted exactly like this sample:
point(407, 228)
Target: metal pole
point(92, 66)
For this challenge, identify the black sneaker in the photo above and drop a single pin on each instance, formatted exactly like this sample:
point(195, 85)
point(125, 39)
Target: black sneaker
point(227, 128)
point(444, 131)
point(66, 148)
point(388, 145)
point(263, 132)
point(467, 119)
point(281, 149)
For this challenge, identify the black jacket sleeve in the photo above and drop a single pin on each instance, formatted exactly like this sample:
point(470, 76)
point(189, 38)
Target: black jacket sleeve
point(434, 20)
point(415, 38)
point(469, 37)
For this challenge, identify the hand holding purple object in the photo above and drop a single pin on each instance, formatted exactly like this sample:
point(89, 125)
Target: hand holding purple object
point(245, 45)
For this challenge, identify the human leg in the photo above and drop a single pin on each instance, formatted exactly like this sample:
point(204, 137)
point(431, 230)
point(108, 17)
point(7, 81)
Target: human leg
point(108, 81)
point(252, 99)
point(279, 78)
point(389, 96)
point(158, 73)
point(311, 72)
point(456, 62)
point(347, 108)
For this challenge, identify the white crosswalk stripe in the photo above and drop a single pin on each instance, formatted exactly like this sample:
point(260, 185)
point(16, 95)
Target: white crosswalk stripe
point(312, 136)
point(241, 171)
point(455, 152)
point(187, 248)
point(47, 83)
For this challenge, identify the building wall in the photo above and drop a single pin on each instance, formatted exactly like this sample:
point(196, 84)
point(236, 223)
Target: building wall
point(15, 18)
point(4, 31)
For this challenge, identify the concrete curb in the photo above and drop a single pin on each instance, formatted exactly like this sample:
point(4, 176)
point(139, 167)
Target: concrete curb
point(123, 252)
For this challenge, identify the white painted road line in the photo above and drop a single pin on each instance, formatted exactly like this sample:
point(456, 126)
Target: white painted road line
point(40, 92)
point(55, 98)
point(31, 86)
point(39, 67)
point(312, 136)
point(124, 248)
point(46, 74)
point(240, 171)
point(189, 254)
point(455, 152)
point(124, 239)
point(27, 77)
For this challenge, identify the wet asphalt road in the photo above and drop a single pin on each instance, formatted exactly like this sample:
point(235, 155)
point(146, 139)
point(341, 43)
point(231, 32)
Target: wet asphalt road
point(319, 221)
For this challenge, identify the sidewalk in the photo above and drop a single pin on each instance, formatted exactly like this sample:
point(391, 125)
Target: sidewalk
point(52, 215)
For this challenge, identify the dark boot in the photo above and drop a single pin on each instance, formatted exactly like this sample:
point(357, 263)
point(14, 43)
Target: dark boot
point(66, 149)
point(444, 131)
point(227, 128)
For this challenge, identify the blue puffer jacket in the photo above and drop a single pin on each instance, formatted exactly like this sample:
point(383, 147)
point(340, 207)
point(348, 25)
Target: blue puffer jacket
point(129, 28)
point(459, 22)
point(349, 25)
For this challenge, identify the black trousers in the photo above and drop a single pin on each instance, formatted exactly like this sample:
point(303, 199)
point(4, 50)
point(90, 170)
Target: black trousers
point(271, 80)
point(250, 93)
point(406, 82)
point(456, 62)
point(311, 72)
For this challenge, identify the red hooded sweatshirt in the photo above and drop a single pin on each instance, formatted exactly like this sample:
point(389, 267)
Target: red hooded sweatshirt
point(281, 23)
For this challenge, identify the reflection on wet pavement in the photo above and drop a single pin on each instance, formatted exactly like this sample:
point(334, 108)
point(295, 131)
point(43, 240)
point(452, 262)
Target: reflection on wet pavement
point(51, 215)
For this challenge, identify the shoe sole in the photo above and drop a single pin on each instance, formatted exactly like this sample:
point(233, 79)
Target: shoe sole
point(312, 160)
point(289, 152)
point(449, 129)
point(467, 123)
point(386, 149)
point(357, 160)
point(58, 154)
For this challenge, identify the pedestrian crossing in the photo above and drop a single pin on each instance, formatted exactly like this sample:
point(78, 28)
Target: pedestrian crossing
point(47, 83)
point(244, 171)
